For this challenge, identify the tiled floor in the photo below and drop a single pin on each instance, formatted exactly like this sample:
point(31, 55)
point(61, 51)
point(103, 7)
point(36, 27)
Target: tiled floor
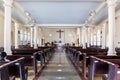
point(59, 69)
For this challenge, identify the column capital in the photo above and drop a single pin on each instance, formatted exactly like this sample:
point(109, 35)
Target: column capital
point(111, 3)
point(104, 25)
point(16, 24)
point(8, 2)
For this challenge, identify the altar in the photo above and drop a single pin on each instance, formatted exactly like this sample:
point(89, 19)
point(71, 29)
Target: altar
point(60, 46)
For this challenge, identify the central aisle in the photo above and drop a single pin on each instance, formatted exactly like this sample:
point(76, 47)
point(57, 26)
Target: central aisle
point(59, 68)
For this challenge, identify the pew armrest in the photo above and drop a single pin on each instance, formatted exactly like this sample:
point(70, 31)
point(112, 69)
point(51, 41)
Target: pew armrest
point(12, 78)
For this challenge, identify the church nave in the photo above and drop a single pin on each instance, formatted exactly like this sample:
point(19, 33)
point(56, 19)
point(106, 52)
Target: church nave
point(59, 68)
point(59, 39)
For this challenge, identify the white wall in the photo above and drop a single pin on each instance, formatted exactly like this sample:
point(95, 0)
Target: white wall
point(117, 32)
point(1, 31)
point(51, 34)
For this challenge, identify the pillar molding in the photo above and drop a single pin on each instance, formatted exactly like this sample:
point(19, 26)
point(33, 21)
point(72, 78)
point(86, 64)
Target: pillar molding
point(78, 35)
point(27, 35)
point(103, 35)
point(24, 42)
point(92, 39)
point(31, 36)
point(111, 3)
point(88, 37)
point(16, 34)
point(111, 25)
point(7, 26)
point(84, 37)
point(8, 3)
point(35, 37)
point(96, 32)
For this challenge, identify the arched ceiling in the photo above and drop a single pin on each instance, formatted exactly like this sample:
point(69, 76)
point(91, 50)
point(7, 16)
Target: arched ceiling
point(72, 12)
point(59, 12)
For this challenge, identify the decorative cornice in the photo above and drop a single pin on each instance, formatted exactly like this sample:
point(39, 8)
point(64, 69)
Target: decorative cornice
point(111, 2)
point(8, 3)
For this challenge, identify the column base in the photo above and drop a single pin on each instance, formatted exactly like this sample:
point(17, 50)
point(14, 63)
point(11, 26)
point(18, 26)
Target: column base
point(109, 54)
point(35, 47)
point(84, 47)
point(31, 45)
point(102, 47)
point(9, 52)
point(16, 47)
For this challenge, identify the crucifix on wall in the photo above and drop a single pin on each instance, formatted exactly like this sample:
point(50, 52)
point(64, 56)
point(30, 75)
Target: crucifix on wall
point(60, 31)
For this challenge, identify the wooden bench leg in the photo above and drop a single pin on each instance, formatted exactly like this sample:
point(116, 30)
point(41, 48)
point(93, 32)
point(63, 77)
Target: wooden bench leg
point(112, 72)
point(4, 74)
point(22, 70)
point(91, 70)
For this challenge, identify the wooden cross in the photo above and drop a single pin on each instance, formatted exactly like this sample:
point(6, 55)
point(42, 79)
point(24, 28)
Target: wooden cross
point(60, 31)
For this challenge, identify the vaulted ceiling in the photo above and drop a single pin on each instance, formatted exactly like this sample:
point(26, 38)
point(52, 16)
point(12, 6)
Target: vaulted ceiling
point(60, 11)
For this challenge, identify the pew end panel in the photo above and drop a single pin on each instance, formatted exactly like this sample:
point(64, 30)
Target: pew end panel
point(101, 66)
point(5, 66)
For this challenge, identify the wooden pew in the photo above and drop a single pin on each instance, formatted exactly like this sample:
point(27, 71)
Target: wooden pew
point(106, 65)
point(30, 55)
point(4, 72)
point(30, 60)
point(82, 58)
point(27, 51)
point(24, 51)
point(43, 56)
point(34, 55)
point(86, 60)
point(8, 66)
point(90, 49)
point(117, 49)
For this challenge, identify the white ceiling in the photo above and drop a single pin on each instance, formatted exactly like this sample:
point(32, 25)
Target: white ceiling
point(60, 0)
point(70, 12)
point(58, 12)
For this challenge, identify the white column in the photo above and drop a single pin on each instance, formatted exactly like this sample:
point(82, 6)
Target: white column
point(31, 36)
point(26, 36)
point(111, 25)
point(78, 34)
point(96, 37)
point(83, 37)
point(88, 37)
point(92, 39)
point(16, 34)
point(23, 36)
point(103, 35)
point(35, 37)
point(80, 37)
point(7, 26)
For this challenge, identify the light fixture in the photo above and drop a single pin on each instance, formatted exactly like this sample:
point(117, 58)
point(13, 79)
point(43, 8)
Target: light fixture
point(50, 35)
point(92, 13)
point(28, 14)
point(59, 65)
point(59, 70)
point(60, 77)
point(70, 35)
